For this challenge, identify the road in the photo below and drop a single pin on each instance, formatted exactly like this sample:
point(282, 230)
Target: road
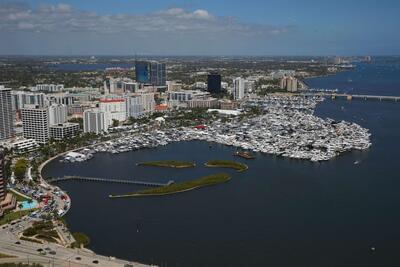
point(28, 251)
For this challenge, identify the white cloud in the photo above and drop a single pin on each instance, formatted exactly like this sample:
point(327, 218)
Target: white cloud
point(64, 18)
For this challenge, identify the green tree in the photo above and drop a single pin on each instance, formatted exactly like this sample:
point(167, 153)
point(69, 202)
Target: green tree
point(20, 169)
point(115, 123)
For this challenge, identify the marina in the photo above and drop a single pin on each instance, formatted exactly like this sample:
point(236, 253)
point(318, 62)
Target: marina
point(287, 127)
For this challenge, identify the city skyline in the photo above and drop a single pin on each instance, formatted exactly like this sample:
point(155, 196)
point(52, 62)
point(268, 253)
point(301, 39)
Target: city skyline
point(199, 28)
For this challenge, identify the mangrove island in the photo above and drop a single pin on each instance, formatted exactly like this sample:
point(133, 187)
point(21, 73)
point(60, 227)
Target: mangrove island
point(179, 187)
point(240, 167)
point(169, 164)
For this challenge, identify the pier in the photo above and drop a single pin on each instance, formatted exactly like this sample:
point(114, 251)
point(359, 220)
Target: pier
point(354, 96)
point(104, 180)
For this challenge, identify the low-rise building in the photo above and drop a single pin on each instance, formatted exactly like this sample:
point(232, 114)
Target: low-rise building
point(208, 102)
point(23, 145)
point(64, 131)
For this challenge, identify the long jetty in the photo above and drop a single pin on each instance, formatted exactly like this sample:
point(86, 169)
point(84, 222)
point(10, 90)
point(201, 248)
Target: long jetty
point(354, 96)
point(104, 180)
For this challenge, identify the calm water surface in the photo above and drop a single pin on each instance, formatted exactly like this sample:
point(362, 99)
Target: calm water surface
point(280, 212)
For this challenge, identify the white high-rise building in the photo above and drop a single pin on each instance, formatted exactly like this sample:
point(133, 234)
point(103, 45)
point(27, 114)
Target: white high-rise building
point(139, 105)
point(148, 102)
point(35, 122)
point(6, 114)
point(120, 85)
point(49, 87)
point(115, 109)
point(238, 88)
point(22, 98)
point(95, 121)
point(58, 114)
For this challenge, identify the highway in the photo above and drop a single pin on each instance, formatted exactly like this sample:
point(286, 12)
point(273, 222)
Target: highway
point(29, 251)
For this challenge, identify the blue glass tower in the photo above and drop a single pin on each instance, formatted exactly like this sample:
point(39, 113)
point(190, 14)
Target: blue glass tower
point(142, 72)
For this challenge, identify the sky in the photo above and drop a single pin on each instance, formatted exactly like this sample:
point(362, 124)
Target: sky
point(200, 27)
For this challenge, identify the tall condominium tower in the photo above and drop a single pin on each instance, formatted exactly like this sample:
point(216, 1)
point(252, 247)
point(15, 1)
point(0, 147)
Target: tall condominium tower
point(6, 114)
point(2, 176)
point(158, 74)
point(95, 121)
point(214, 83)
point(142, 72)
point(238, 88)
point(151, 72)
point(58, 114)
point(35, 121)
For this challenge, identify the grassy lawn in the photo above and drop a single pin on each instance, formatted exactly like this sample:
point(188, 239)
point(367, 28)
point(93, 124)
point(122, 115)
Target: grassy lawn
point(80, 239)
point(11, 216)
point(180, 187)
point(227, 164)
point(168, 164)
point(42, 231)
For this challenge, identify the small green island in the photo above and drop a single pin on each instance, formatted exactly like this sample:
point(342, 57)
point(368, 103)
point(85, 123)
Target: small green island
point(169, 164)
point(240, 167)
point(179, 187)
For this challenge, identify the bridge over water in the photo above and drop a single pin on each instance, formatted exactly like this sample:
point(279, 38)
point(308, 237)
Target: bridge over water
point(354, 96)
point(104, 180)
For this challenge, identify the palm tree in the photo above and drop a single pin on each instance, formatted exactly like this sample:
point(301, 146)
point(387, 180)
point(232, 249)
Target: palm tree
point(20, 206)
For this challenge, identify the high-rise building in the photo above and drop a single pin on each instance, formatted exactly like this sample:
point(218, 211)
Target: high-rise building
point(139, 105)
point(6, 114)
point(3, 182)
point(158, 74)
point(115, 109)
point(119, 85)
point(214, 83)
point(22, 98)
point(142, 71)
point(49, 87)
point(60, 98)
point(95, 121)
point(289, 83)
point(35, 122)
point(58, 114)
point(238, 88)
point(151, 72)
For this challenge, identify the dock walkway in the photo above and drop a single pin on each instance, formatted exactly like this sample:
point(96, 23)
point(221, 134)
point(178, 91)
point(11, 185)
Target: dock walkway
point(119, 181)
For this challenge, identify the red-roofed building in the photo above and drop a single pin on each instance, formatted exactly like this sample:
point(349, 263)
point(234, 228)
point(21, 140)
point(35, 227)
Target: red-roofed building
point(200, 127)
